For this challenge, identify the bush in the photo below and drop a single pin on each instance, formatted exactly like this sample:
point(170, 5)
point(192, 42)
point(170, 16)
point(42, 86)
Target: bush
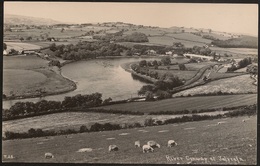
point(83, 129)
point(149, 122)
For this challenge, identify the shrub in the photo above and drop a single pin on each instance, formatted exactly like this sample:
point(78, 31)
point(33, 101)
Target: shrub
point(83, 129)
point(149, 122)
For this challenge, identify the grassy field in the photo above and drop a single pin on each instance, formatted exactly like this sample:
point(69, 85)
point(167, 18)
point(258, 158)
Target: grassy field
point(25, 75)
point(73, 120)
point(21, 46)
point(238, 84)
point(231, 139)
point(190, 103)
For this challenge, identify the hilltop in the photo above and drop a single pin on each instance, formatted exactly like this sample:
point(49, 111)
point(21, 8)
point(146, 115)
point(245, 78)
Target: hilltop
point(18, 19)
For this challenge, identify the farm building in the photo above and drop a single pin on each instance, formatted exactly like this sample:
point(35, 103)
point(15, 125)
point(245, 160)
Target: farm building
point(169, 53)
point(28, 52)
point(5, 52)
point(151, 52)
point(198, 56)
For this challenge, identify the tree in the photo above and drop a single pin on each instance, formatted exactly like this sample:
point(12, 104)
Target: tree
point(142, 63)
point(166, 60)
point(21, 38)
point(53, 47)
point(145, 89)
point(182, 67)
point(29, 38)
point(62, 30)
point(4, 46)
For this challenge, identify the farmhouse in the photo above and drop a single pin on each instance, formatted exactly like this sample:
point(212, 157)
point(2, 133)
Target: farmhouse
point(28, 52)
point(151, 52)
point(198, 56)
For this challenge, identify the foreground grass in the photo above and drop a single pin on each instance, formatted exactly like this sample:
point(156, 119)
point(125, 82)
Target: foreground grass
point(232, 138)
point(189, 103)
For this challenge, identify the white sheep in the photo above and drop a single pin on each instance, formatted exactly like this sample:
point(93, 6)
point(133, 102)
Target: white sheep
point(147, 148)
point(153, 144)
point(171, 143)
point(112, 148)
point(137, 144)
point(49, 155)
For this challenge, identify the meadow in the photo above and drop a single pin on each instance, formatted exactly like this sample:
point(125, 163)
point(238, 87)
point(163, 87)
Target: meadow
point(231, 139)
point(25, 76)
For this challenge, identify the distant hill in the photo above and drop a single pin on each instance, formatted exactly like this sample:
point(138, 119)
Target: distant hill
point(17, 19)
point(241, 42)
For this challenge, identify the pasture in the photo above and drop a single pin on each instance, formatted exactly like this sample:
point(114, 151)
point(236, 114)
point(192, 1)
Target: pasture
point(232, 138)
point(190, 103)
point(23, 62)
point(238, 84)
point(26, 75)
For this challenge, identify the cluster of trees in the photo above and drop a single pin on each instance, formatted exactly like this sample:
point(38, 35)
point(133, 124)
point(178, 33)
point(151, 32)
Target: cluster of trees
point(161, 88)
point(55, 63)
point(209, 37)
point(86, 50)
point(202, 51)
point(134, 37)
point(252, 69)
point(43, 106)
point(241, 64)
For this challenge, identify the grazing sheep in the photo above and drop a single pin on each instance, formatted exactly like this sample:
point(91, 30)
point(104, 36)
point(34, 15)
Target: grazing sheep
point(112, 148)
point(137, 144)
point(147, 148)
point(171, 143)
point(49, 155)
point(153, 144)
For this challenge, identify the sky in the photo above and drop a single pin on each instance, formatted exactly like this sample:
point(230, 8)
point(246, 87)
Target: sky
point(236, 18)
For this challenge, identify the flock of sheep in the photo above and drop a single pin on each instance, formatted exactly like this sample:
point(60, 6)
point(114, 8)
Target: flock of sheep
point(149, 147)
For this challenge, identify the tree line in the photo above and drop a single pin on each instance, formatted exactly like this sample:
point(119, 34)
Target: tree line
point(24, 109)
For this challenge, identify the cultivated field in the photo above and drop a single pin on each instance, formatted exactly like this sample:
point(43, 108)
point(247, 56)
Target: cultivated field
point(190, 103)
point(238, 84)
point(232, 138)
point(189, 37)
point(166, 40)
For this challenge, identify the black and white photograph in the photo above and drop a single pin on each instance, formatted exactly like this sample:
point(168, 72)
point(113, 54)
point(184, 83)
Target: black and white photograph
point(130, 83)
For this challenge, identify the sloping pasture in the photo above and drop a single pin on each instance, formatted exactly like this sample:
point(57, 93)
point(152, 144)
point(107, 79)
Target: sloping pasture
point(232, 138)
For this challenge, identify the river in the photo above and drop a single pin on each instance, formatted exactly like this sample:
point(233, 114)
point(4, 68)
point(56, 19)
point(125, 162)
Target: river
point(105, 76)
